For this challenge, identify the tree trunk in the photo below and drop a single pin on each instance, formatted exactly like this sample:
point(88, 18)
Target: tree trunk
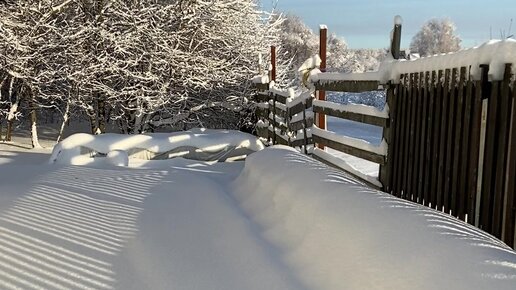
point(11, 117)
point(101, 108)
point(65, 121)
point(8, 133)
point(12, 91)
point(93, 119)
point(138, 118)
point(33, 122)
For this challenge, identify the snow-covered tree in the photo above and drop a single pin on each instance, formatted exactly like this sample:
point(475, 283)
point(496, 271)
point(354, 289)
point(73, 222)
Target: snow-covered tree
point(436, 36)
point(141, 63)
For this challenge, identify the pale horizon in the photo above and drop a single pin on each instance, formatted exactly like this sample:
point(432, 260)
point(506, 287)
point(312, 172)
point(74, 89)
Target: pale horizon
point(367, 23)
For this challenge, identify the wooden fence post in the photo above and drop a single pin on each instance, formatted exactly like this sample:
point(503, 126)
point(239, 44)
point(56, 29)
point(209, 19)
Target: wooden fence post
point(321, 95)
point(273, 79)
point(396, 38)
point(273, 64)
point(388, 132)
point(510, 187)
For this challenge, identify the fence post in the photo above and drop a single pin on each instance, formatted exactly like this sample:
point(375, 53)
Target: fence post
point(396, 38)
point(510, 187)
point(321, 95)
point(273, 79)
point(388, 132)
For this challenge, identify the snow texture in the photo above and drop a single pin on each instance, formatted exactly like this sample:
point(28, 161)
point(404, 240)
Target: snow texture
point(334, 233)
point(495, 53)
point(357, 143)
point(78, 148)
point(260, 79)
point(282, 221)
point(353, 108)
point(118, 158)
point(398, 20)
point(343, 164)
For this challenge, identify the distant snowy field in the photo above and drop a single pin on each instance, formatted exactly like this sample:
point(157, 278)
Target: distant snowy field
point(279, 220)
point(369, 133)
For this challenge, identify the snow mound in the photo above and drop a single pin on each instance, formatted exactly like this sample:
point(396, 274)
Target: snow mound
point(118, 158)
point(198, 144)
point(334, 233)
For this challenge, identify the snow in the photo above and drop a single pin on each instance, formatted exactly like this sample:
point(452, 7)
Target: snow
point(354, 108)
point(495, 53)
point(78, 148)
point(345, 165)
point(335, 234)
point(311, 63)
point(281, 220)
point(369, 133)
point(353, 142)
point(118, 158)
point(317, 76)
point(398, 20)
point(260, 79)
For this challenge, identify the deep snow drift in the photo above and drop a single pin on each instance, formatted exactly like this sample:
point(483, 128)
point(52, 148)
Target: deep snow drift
point(335, 234)
point(282, 221)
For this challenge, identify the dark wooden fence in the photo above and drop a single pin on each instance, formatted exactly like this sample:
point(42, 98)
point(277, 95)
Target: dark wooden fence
point(284, 122)
point(451, 141)
point(444, 156)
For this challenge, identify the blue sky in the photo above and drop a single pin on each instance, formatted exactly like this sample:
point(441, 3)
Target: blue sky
point(367, 23)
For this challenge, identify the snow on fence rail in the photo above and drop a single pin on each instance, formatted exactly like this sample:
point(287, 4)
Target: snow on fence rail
point(449, 130)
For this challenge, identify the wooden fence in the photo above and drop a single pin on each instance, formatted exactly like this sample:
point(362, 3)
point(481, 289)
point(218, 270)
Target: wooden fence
point(445, 156)
point(451, 139)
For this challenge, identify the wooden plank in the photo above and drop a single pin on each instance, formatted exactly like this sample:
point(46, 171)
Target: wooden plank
point(411, 144)
point(388, 131)
point(510, 189)
point(501, 152)
point(422, 124)
point(449, 144)
point(261, 87)
point(396, 171)
point(486, 210)
point(299, 125)
point(262, 97)
point(298, 108)
point(457, 190)
point(347, 86)
point(279, 98)
point(474, 151)
point(367, 183)
point(274, 112)
point(367, 119)
point(463, 188)
point(301, 142)
point(427, 171)
point(357, 152)
point(437, 88)
point(405, 110)
point(443, 140)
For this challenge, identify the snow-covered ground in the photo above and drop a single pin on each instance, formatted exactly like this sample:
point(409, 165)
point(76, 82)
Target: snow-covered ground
point(369, 133)
point(281, 220)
